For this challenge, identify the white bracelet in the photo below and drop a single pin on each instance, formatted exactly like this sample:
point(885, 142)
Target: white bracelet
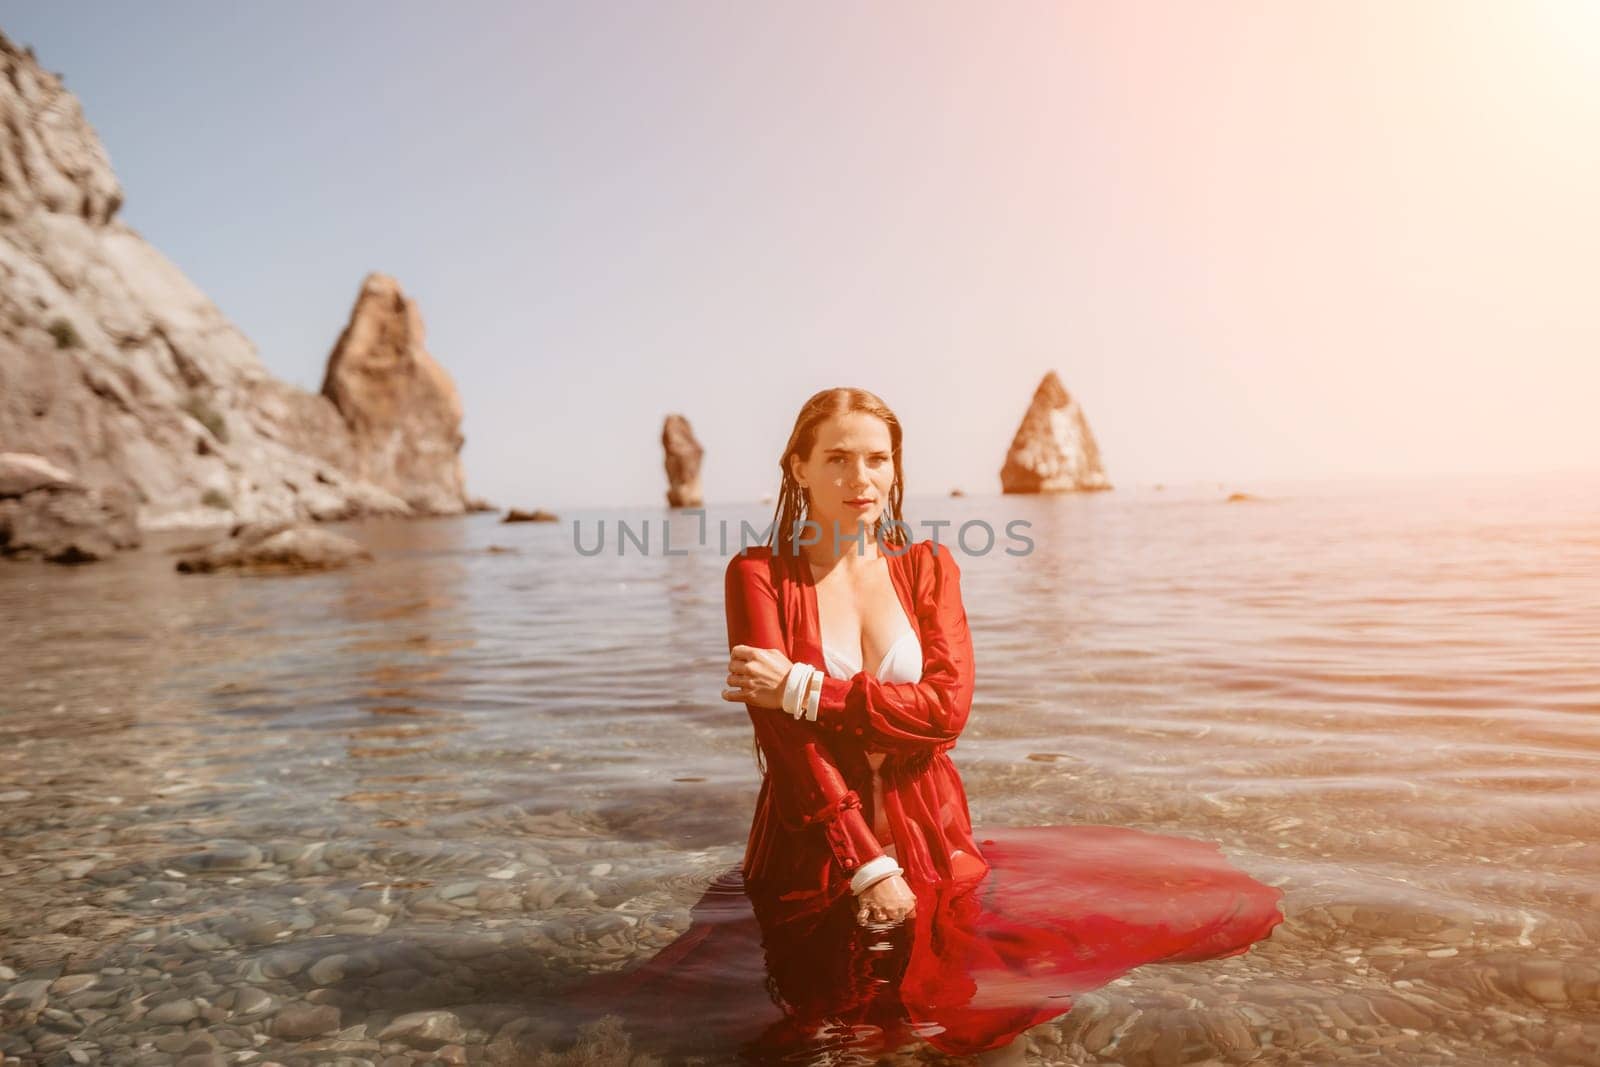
point(805, 687)
point(789, 684)
point(874, 871)
point(794, 688)
point(814, 698)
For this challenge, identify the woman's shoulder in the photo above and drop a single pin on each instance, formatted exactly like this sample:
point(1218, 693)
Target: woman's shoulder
point(754, 561)
point(933, 566)
point(926, 550)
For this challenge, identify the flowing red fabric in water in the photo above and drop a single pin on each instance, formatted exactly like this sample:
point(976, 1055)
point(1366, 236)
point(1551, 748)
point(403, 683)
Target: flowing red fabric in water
point(1007, 926)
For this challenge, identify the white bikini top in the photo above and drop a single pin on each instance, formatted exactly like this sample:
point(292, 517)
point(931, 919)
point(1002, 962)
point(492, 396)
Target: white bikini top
point(902, 663)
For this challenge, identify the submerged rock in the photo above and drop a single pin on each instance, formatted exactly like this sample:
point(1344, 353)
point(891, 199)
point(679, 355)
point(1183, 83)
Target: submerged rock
point(425, 1029)
point(266, 548)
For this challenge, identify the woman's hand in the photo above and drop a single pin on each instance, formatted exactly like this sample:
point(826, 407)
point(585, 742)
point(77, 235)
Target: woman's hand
point(757, 676)
point(886, 901)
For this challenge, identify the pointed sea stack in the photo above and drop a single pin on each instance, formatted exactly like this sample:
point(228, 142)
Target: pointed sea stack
point(1053, 451)
point(683, 463)
point(402, 408)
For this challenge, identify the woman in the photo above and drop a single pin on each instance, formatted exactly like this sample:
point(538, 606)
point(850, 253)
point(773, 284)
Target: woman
point(880, 917)
point(848, 604)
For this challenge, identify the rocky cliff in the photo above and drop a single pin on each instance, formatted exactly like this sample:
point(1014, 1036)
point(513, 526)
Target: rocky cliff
point(116, 368)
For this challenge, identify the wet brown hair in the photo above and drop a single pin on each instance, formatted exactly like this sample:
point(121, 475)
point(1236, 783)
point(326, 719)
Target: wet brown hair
point(794, 504)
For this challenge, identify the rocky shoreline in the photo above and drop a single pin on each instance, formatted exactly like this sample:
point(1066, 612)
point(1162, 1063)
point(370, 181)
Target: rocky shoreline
point(118, 371)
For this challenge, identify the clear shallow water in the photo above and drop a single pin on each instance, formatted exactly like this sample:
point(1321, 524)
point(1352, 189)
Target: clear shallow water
point(269, 817)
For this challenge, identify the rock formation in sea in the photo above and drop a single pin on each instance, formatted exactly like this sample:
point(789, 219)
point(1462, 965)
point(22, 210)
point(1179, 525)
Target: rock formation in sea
point(683, 455)
point(401, 408)
point(1053, 450)
point(275, 547)
point(534, 515)
point(117, 369)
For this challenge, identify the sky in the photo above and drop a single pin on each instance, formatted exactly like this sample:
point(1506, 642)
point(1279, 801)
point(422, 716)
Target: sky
point(1256, 241)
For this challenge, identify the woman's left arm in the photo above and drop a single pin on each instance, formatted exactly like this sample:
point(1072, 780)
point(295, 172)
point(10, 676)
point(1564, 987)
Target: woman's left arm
point(931, 712)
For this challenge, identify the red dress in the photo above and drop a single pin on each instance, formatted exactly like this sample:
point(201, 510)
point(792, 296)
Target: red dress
point(1008, 926)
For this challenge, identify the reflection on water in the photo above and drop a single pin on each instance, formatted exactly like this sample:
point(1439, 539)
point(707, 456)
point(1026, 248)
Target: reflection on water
point(400, 809)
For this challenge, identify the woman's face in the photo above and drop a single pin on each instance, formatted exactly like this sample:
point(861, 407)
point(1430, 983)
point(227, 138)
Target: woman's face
point(849, 473)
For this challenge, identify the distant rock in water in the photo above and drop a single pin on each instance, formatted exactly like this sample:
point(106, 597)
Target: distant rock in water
point(113, 366)
point(401, 407)
point(683, 463)
point(271, 547)
point(536, 515)
point(1053, 450)
point(45, 513)
point(1237, 498)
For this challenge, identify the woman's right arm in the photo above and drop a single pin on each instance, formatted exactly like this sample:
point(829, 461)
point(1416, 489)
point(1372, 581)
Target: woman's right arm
point(810, 786)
